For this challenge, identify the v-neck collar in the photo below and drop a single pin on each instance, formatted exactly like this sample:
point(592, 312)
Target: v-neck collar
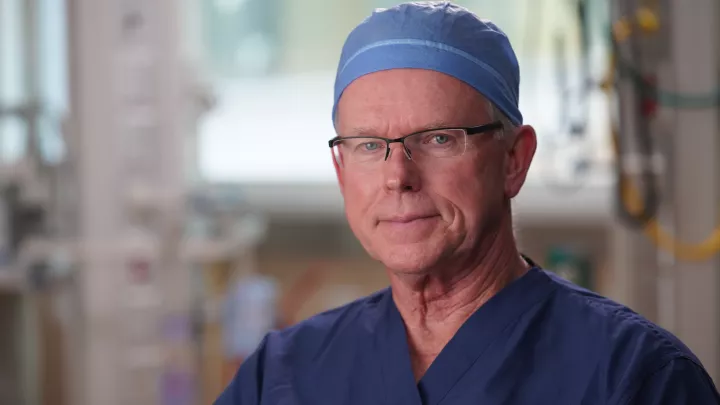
point(462, 351)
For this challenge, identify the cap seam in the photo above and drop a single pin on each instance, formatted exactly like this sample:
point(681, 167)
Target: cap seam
point(436, 45)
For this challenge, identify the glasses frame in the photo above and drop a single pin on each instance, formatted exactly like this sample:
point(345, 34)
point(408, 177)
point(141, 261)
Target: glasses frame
point(469, 131)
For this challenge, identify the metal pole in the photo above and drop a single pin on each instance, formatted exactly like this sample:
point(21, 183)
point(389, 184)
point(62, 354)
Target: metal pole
point(695, 54)
point(129, 114)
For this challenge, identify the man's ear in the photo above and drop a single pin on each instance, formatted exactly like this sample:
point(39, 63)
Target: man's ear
point(338, 173)
point(519, 157)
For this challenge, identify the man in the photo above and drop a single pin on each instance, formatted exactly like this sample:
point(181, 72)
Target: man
point(431, 148)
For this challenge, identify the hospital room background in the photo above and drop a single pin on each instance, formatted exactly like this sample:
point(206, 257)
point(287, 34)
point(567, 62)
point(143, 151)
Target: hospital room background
point(167, 196)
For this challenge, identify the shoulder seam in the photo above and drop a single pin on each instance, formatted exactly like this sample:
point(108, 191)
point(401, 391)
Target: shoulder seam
point(630, 393)
point(625, 313)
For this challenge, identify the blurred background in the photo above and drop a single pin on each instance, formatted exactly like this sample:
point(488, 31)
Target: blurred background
point(167, 196)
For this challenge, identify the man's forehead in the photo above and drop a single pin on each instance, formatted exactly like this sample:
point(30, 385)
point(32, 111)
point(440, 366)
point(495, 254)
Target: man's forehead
point(411, 79)
point(408, 100)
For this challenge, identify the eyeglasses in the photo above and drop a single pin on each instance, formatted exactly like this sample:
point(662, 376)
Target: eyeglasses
point(433, 143)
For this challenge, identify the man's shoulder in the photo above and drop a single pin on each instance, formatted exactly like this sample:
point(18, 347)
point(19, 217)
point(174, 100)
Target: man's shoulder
point(615, 324)
point(319, 331)
point(629, 347)
point(294, 352)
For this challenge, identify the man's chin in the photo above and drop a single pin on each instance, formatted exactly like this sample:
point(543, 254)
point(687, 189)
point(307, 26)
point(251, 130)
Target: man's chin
point(409, 259)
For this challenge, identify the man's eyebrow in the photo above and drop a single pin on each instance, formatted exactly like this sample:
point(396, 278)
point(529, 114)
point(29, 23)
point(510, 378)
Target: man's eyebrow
point(436, 125)
point(361, 131)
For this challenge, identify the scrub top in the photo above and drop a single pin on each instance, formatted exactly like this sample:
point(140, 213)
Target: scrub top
point(541, 340)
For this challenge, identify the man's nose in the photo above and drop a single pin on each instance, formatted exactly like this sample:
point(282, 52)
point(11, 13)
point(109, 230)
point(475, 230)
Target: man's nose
point(400, 171)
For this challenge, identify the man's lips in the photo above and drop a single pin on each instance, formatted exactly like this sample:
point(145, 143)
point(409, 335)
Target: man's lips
point(406, 218)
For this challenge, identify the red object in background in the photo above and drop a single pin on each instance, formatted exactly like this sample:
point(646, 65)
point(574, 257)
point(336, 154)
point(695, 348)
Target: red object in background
point(139, 272)
point(649, 103)
point(649, 107)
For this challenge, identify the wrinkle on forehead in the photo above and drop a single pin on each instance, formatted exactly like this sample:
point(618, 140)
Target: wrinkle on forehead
point(402, 101)
point(375, 131)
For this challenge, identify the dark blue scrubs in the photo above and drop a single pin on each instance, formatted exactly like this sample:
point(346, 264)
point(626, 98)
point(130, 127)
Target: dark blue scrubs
point(541, 340)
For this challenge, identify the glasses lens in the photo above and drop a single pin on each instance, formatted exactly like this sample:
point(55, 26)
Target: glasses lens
point(359, 150)
point(441, 143)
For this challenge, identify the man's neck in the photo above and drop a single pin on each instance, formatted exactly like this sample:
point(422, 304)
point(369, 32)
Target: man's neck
point(434, 306)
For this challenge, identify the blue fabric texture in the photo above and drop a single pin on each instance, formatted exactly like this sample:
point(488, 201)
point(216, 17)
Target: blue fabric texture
point(438, 36)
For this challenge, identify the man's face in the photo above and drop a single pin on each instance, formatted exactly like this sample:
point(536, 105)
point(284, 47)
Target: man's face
point(412, 214)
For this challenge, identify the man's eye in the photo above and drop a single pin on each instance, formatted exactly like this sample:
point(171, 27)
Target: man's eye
point(370, 146)
point(441, 138)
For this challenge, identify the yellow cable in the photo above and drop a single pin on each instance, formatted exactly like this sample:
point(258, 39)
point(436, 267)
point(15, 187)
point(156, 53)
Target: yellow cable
point(630, 196)
point(652, 229)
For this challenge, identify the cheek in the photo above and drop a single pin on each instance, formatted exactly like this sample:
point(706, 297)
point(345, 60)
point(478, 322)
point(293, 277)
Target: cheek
point(474, 191)
point(359, 193)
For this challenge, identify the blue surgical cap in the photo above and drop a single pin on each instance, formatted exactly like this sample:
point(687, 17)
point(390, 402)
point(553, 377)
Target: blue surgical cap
point(438, 36)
